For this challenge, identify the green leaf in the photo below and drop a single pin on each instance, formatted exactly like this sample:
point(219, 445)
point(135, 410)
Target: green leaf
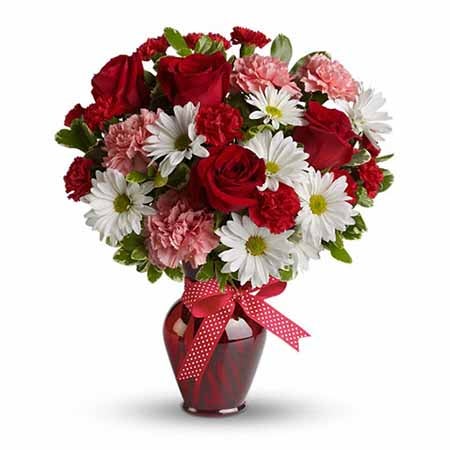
point(139, 254)
point(77, 136)
point(287, 273)
point(281, 48)
point(135, 177)
point(153, 273)
point(363, 198)
point(384, 157)
point(132, 241)
point(338, 253)
point(304, 59)
point(360, 158)
point(123, 256)
point(206, 272)
point(176, 40)
point(179, 176)
point(388, 179)
point(176, 274)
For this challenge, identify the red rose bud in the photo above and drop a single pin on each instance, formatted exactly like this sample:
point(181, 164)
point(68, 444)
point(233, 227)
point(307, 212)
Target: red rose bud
point(192, 39)
point(227, 180)
point(121, 81)
point(75, 113)
point(326, 137)
point(152, 47)
point(276, 210)
point(371, 176)
point(352, 186)
point(78, 178)
point(196, 78)
point(245, 36)
point(220, 124)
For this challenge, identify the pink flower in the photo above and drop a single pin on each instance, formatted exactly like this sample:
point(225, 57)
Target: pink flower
point(124, 143)
point(322, 74)
point(177, 233)
point(256, 72)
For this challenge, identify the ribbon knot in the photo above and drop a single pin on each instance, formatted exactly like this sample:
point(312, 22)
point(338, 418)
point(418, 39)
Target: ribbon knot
point(205, 300)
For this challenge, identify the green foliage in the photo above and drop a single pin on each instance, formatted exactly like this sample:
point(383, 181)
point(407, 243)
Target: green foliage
point(136, 177)
point(208, 46)
point(359, 158)
point(153, 273)
point(384, 158)
point(281, 48)
point(77, 136)
point(388, 179)
point(363, 198)
point(176, 40)
point(176, 274)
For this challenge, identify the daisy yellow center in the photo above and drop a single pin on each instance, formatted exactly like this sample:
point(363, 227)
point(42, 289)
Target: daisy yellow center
point(255, 245)
point(273, 112)
point(272, 168)
point(318, 204)
point(182, 142)
point(122, 203)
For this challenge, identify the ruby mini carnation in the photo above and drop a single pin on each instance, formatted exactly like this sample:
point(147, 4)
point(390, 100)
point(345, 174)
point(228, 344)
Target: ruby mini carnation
point(229, 165)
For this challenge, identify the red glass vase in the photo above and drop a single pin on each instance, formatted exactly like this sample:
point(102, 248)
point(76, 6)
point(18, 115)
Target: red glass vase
point(223, 388)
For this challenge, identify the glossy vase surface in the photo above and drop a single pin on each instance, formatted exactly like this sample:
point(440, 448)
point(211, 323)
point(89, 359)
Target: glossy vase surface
point(223, 388)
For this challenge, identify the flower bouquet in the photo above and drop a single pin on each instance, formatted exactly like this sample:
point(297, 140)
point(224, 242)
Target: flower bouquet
point(230, 172)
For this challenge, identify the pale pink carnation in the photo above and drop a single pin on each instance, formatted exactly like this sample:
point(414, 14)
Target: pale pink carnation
point(124, 143)
point(256, 72)
point(178, 234)
point(322, 74)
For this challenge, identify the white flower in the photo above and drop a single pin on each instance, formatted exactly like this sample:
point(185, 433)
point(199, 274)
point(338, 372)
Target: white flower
point(117, 206)
point(325, 208)
point(276, 107)
point(366, 117)
point(285, 161)
point(175, 138)
point(303, 251)
point(254, 252)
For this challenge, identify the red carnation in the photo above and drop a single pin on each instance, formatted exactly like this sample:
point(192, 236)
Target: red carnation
point(245, 36)
point(352, 186)
point(152, 47)
point(192, 39)
point(75, 113)
point(276, 210)
point(371, 176)
point(78, 178)
point(220, 124)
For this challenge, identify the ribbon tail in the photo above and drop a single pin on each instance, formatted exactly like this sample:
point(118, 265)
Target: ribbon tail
point(274, 321)
point(205, 341)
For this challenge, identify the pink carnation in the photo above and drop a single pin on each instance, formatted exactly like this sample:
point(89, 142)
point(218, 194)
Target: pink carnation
point(330, 77)
point(177, 233)
point(125, 140)
point(256, 72)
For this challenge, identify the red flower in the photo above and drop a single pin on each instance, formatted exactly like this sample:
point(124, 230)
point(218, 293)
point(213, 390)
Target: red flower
point(195, 78)
point(78, 178)
point(152, 47)
point(227, 180)
point(75, 113)
point(220, 124)
point(192, 39)
point(326, 137)
point(244, 36)
point(371, 176)
point(276, 210)
point(352, 186)
point(121, 81)
point(365, 143)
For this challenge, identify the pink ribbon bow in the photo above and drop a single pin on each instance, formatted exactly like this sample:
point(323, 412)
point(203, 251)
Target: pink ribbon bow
point(205, 300)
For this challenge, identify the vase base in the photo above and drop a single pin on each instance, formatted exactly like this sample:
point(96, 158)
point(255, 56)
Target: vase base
point(218, 413)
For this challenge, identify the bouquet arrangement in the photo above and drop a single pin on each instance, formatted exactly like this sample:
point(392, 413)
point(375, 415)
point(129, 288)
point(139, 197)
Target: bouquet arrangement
point(230, 166)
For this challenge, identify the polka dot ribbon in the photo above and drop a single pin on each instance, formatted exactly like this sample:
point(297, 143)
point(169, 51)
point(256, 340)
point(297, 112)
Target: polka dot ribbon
point(205, 300)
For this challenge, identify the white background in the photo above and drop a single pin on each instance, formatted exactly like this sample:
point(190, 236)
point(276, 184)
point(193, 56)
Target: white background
point(82, 362)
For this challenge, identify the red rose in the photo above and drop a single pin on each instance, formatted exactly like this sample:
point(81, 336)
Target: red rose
point(192, 39)
point(78, 178)
point(227, 180)
point(371, 176)
point(152, 47)
point(245, 36)
point(326, 137)
point(352, 186)
point(75, 113)
point(122, 81)
point(195, 78)
point(276, 210)
point(220, 124)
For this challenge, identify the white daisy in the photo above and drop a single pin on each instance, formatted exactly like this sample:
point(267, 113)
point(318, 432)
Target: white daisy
point(285, 161)
point(325, 208)
point(303, 251)
point(276, 107)
point(366, 117)
point(174, 138)
point(254, 252)
point(117, 206)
